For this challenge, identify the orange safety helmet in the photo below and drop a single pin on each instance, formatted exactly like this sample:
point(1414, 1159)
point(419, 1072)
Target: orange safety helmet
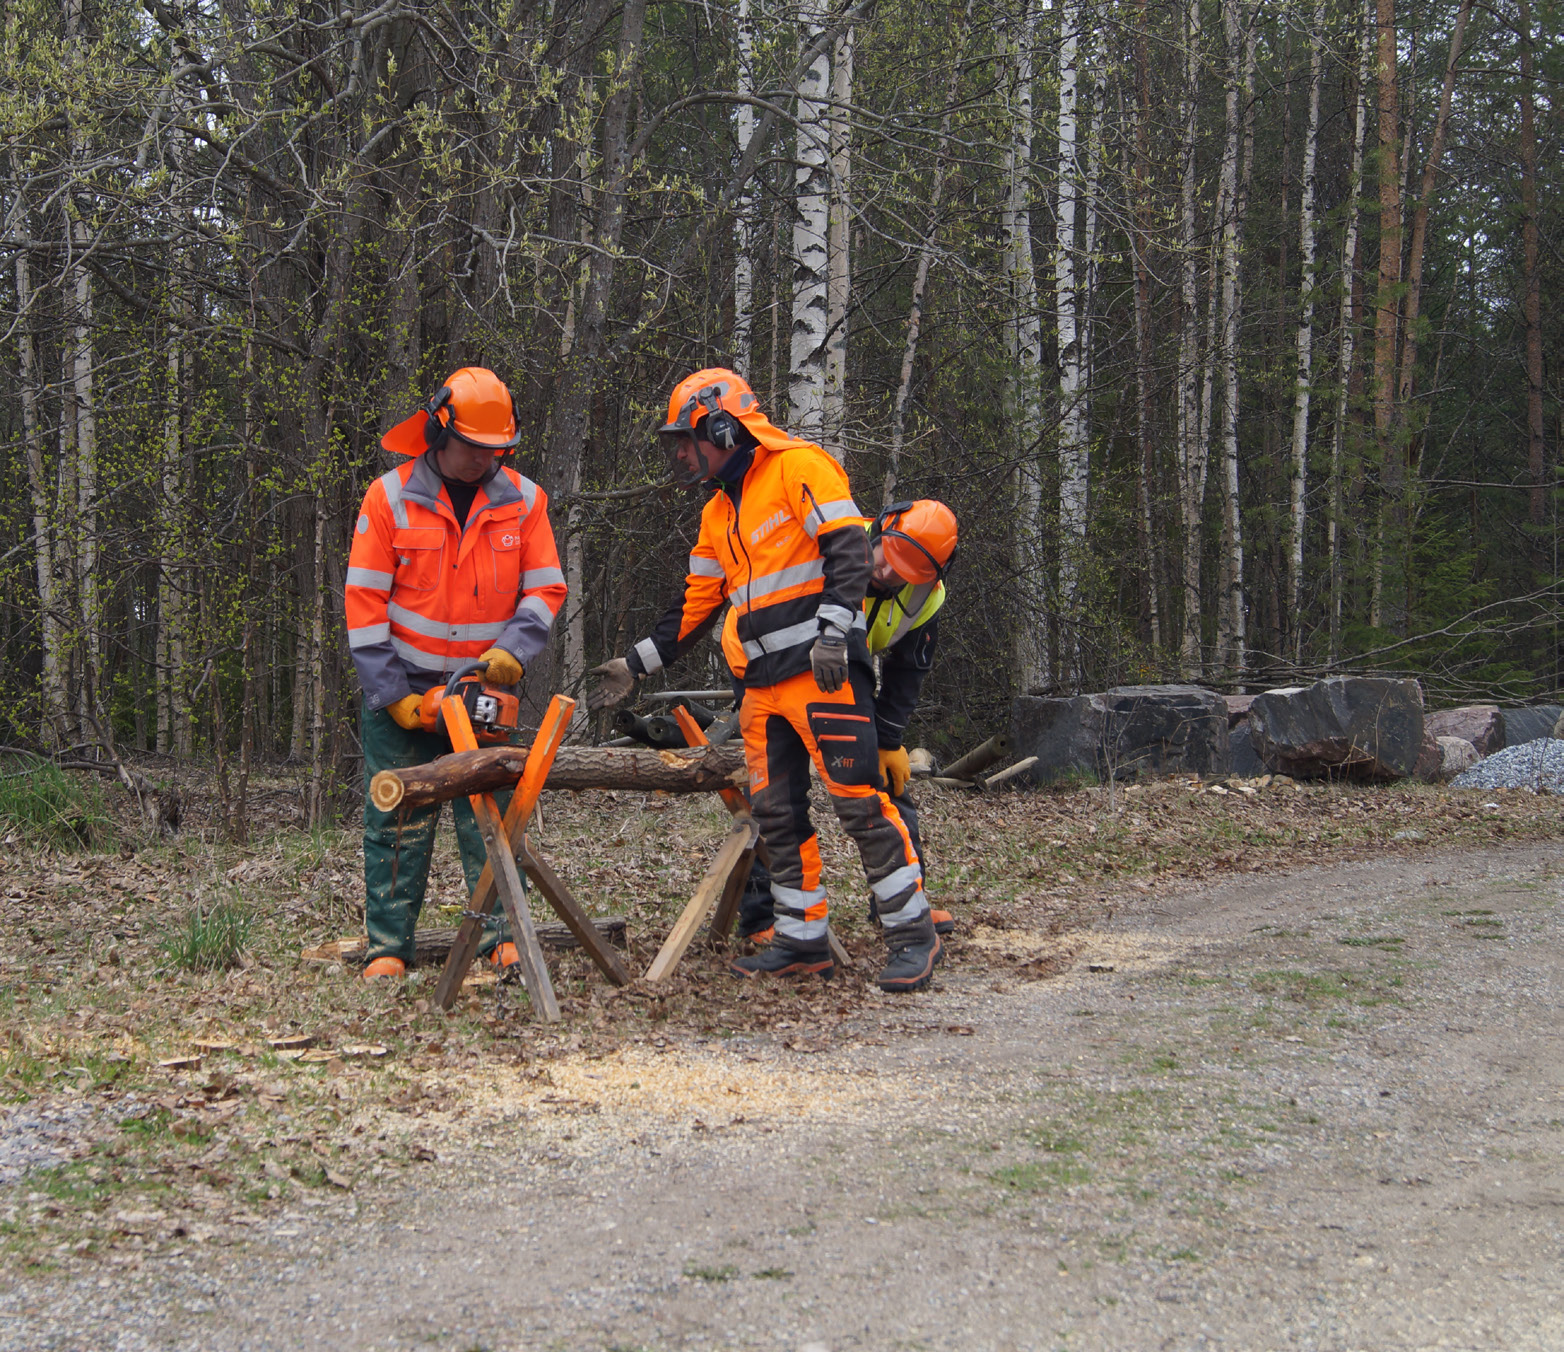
point(473, 403)
point(918, 538)
point(721, 398)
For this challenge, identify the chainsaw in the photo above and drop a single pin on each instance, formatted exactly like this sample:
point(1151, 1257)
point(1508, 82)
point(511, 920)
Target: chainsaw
point(493, 711)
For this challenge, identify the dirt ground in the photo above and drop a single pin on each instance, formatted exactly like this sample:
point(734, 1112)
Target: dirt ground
point(1319, 1108)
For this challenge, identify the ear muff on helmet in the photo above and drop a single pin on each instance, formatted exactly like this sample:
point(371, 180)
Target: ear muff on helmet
point(722, 430)
point(437, 426)
point(910, 556)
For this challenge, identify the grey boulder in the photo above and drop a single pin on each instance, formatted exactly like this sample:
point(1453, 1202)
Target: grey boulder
point(1530, 722)
point(1459, 754)
point(1480, 724)
point(1123, 733)
point(1363, 727)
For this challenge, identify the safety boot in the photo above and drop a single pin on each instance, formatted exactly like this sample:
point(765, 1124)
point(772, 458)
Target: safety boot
point(915, 948)
point(385, 967)
point(944, 921)
point(789, 958)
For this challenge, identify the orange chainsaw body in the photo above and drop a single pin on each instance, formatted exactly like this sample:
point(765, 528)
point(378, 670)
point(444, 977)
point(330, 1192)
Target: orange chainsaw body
point(494, 712)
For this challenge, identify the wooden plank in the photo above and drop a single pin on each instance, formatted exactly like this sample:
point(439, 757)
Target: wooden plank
point(566, 907)
point(513, 896)
point(695, 735)
point(740, 842)
point(556, 722)
point(434, 943)
point(551, 732)
point(728, 906)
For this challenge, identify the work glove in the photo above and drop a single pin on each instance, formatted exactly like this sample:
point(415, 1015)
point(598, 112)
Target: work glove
point(829, 659)
point(615, 680)
point(504, 669)
point(405, 712)
point(895, 769)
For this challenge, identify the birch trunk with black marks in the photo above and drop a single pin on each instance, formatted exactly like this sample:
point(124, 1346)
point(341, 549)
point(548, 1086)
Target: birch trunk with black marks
point(811, 236)
point(1303, 380)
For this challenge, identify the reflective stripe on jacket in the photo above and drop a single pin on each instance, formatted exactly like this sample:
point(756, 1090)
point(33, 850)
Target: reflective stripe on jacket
point(782, 559)
point(425, 595)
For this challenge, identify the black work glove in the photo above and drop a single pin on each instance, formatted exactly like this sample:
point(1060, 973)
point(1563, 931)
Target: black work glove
point(829, 659)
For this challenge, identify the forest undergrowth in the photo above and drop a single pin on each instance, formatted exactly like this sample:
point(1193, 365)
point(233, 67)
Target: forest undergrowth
point(173, 1073)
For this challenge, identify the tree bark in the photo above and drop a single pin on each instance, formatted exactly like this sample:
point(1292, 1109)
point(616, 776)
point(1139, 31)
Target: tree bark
point(1192, 445)
point(1348, 327)
point(51, 720)
point(1238, 29)
point(1530, 248)
point(640, 769)
point(1140, 245)
point(743, 215)
point(839, 251)
point(1387, 303)
point(1024, 349)
point(1073, 447)
point(811, 237)
point(1304, 379)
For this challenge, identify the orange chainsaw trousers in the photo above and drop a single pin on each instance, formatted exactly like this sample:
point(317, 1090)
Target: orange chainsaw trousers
point(787, 725)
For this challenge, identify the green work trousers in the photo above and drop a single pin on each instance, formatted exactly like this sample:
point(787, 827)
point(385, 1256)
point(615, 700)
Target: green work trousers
point(398, 845)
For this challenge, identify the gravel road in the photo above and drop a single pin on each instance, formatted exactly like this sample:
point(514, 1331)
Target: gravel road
point(1320, 1110)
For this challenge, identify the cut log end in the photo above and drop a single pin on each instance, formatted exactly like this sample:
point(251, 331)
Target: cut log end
point(386, 790)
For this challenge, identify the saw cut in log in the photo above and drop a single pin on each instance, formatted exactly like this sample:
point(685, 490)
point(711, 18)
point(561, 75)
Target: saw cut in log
point(696, 770)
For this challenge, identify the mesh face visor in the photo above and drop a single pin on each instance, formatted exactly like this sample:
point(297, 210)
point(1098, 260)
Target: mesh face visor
point(671, 443)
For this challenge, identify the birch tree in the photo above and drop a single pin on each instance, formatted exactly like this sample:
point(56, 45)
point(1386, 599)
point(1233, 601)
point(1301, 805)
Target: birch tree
point(1303, 381)
point(1192, 444)
point(744, 212)
point(811, 235)
point(839, 247)
point(1073, 445)
point(1237, 162)
point(1024, 354)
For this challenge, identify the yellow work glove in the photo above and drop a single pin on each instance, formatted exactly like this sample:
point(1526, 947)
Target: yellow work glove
point(895, 769)
point(405, 712)
point(504, 669)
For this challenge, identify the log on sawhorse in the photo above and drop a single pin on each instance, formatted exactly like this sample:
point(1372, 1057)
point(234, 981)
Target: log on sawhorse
point(506, 843)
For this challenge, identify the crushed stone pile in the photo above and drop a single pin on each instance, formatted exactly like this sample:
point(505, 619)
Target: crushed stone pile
point(1532, 765)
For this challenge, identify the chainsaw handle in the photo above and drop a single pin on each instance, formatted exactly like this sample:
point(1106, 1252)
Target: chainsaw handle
point(466, 669)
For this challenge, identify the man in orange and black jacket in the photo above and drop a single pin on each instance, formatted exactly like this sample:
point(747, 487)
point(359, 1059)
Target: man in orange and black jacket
point(782, 541)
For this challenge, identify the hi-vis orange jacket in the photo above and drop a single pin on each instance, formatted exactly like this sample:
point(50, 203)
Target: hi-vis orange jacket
point(425, 595)
point(785, 544)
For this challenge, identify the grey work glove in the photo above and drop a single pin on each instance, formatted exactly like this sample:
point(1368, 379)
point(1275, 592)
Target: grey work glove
point(829, 659)
point(615, 681)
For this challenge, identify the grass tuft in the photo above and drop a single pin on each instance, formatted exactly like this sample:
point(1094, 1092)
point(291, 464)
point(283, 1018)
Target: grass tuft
point(212, 940)
point(42, 805)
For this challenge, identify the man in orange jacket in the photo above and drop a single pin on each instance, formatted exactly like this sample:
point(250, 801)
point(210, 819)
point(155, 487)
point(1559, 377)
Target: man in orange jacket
point(783, 542)
point(453, 560)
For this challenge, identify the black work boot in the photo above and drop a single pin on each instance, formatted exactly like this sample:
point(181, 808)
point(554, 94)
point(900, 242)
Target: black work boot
point(787, 957)
point(915, 948)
